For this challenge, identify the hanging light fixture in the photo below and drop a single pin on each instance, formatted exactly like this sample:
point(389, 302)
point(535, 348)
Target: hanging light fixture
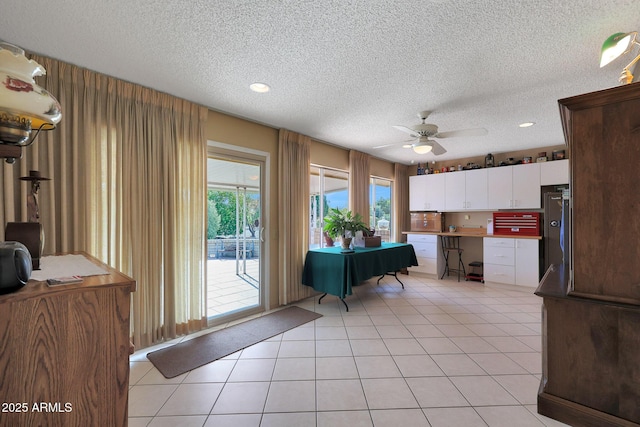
point(25, 108)
point(616, 45)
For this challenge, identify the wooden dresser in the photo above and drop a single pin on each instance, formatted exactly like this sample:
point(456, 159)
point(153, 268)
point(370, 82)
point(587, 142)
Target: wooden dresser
point(591, 311)
point(64, 353)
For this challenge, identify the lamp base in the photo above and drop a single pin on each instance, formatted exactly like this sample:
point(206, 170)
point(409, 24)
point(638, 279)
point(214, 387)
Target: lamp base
point(30, 234)
point(10, 152)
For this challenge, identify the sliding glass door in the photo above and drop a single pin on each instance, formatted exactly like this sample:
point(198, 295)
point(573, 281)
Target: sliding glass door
point(380, 198)
point(329, 188)
point(234, 236)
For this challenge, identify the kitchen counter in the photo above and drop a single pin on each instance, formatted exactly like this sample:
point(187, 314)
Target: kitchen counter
point(472, 232)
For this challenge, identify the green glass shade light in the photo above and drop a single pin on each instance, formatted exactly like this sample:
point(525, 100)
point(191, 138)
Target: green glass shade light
point(617, 45)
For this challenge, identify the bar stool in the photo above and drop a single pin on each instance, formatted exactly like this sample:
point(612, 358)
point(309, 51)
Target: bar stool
point(452, 244)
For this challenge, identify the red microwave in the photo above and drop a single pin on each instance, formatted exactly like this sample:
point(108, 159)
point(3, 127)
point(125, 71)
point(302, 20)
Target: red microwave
point(516, 223)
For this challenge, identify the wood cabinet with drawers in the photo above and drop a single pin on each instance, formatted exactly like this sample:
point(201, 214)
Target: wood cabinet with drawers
point(591, 309)
point(65, 349)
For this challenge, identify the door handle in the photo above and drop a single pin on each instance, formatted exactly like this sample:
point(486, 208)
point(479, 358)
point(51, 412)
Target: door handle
point(261, 234)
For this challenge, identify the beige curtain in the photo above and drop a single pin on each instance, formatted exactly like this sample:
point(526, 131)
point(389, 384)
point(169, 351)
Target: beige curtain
point(293, 217)
point(129, 187)
point(401, 201)
point(359, 182)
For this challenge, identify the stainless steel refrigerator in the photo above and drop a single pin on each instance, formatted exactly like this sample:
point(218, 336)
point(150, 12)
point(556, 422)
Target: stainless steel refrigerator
point(555, 239)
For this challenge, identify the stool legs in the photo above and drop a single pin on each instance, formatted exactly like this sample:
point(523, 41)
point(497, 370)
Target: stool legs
point(460, 268)
point(461, 264)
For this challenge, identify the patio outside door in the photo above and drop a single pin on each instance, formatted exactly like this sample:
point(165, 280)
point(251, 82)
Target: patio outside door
point(234, 237)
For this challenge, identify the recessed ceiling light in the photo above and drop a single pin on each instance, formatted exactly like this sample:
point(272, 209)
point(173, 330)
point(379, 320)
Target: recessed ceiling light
point(259, 87)
point(526, 124)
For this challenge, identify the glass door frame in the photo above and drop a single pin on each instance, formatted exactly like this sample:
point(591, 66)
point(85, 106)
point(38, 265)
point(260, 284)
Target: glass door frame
point(322, 170)
point(263, 159)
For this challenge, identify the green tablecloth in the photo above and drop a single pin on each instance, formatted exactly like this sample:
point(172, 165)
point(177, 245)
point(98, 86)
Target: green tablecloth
point(328, 270)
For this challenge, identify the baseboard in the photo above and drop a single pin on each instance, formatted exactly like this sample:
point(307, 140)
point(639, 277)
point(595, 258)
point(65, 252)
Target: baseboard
point(577, 415)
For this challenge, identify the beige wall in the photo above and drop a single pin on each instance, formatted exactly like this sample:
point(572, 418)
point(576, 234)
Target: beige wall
point(329, 156)
point(338, 158)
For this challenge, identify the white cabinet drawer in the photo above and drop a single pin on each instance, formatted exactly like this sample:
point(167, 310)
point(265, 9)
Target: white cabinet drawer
point(425, 250)
point(422, 238)
point(502, 256)
point(503, 242)
point(499, 273)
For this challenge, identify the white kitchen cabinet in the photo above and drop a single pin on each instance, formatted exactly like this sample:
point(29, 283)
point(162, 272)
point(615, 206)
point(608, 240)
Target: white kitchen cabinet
point(500, 187)
point(426, 248)
point(466, 190)
point(499, 260)
point(526, 186)
point(454, 191)
point(426, 192)
point(511, 261)
point(555, 172)
point(514, 187)
point(476, 189)
point(527, 262)
point(418, 193)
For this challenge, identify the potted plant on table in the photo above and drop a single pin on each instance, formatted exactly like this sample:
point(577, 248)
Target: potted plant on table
point(343, 223)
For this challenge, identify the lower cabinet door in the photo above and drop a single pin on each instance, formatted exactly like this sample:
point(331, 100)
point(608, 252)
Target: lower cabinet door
point(426, 265)
point(499, 273)
point(527, 263)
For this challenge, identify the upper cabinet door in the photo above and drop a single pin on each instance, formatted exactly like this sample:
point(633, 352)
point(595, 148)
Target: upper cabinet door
point(466, 190)
point(454, 188)
point(555, 172)
point(500, 187)
point(418, 193)
point(476, 189)
point(436, 192)
point(526, 186)
point(426, 193)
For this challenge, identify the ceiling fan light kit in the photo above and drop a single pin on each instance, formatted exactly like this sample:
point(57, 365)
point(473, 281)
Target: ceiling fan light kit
point(422, 148)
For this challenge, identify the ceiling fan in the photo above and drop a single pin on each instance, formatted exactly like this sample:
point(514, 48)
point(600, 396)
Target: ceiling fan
point(422, 133)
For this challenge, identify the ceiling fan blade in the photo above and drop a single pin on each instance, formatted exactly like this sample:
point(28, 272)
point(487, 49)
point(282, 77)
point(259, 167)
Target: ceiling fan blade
point(377, 147)
point(462, 132)
point(407, 130)
point(437, 149)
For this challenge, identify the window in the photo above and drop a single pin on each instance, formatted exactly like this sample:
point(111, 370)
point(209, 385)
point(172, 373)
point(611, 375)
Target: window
point(380, 208)
point(329, 188)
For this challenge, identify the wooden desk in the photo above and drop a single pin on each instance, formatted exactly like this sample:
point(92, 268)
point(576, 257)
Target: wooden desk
point(332, 272)
point(64, 352)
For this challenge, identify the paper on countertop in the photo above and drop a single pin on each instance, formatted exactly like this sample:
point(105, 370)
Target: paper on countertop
point(66, 265)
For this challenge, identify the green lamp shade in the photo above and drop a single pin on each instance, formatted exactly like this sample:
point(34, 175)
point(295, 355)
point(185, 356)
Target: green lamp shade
point(614, 46)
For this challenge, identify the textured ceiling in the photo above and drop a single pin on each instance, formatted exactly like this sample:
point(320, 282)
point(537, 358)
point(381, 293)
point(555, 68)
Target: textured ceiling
point(345, 72)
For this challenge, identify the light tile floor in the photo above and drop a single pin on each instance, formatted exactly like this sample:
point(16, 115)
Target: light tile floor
point(438, 353)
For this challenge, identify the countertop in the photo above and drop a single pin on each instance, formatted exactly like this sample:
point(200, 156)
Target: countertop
point(472, 232)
